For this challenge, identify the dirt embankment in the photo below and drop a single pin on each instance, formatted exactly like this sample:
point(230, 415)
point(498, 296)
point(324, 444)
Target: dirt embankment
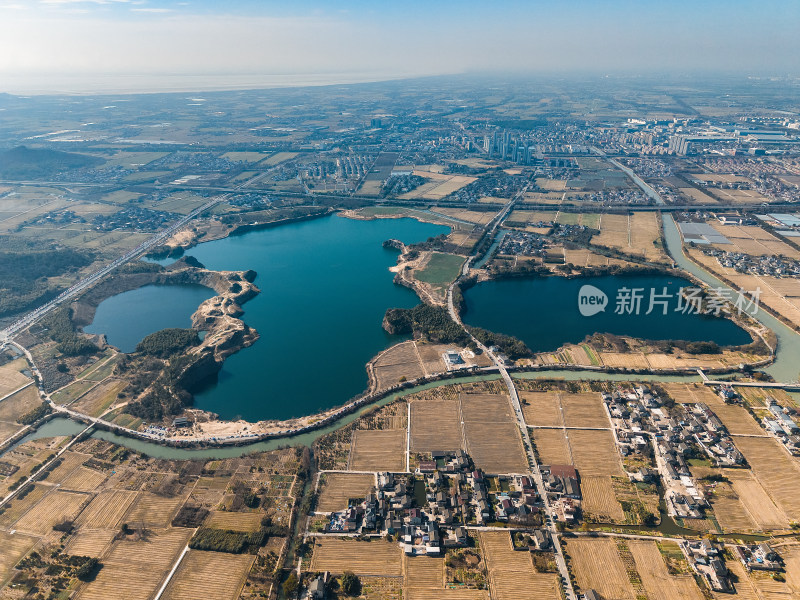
point(218, 316)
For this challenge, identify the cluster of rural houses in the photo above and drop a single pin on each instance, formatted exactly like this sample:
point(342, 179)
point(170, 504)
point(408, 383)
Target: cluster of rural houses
point(773, 266)
point(431, 510)
point(780, 424)
point(678, 434)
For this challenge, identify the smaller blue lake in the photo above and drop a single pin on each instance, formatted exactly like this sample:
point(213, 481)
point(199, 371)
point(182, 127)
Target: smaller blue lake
point(130, 316)
point(544, 312)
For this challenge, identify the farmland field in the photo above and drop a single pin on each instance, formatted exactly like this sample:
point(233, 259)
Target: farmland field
point(598, 566)
point(511, 574)
point(19, 403)
point(398, 362)
point(154, 511)
point(14, 546)
point(11, 377)
point(90, 542)
point(134, 570)
point(435, 425)
point(83, 479)
point(552, 447)
point(54, 507)
point(657, 581)
point(99, 399)
point(492, 434)
point(337, 555)
point(204, 575)
point(340, 487)
point(234, 521)
point(599, 499)
point(278, 158)
point(378, 450)
point(776, 472)
point(106, 509)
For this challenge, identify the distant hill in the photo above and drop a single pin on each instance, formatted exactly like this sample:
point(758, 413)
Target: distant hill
point(35, 163)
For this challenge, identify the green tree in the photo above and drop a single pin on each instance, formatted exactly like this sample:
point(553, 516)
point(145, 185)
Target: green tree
point(290, 585)
point(350, 583)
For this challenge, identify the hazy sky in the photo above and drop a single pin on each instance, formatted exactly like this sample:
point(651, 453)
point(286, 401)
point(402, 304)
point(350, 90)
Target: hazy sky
point(79, 45)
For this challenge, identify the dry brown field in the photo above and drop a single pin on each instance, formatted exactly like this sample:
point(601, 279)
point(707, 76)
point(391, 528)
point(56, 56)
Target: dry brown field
point(740, 196)
point(396, 363)
point(594, 452)
point(83, 479)
point(697, 195)
point(69, 462)
point(690, 393)
point(552, 447)
point(635, 360)
point(378, 450)
point(531, 216)
point(154, 511)
point(431, 357)
point(554, 185)
point(511, 574)
point(206, 575)
point(418, 593)
point(234, 521)
point(730, 511)
point(90, 542)
point(599, 498)
point(135, 570)
point(542, 409)
point(633, 234)
point(14, 546)
point(753, 240)
point(736, 419)
point(657, 581)
point(423, 571)
point(598, 566)
point(19, 506)
point(107, 509)
point(53, 508)
point(340, 487)
point(11, 377)
point(435, 425)
point(378, 557)
point(480, 217)
point(584, 410)
point(492, 434)
point(775, 470)
point(16, 405)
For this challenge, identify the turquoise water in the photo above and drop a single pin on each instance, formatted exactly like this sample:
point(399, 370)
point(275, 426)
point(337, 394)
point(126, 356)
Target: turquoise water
point(544, 312)
point(325, 286)
point(130, 316)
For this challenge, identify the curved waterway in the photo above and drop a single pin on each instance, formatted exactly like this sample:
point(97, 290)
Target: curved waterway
point(786, 366)
point(545, 312)
point(130, 316)
point(63, 426)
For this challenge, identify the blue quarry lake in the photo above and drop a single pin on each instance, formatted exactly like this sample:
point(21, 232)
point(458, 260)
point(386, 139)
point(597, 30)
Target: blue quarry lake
point(325, 286)
point(544, 313)
point(130, 316)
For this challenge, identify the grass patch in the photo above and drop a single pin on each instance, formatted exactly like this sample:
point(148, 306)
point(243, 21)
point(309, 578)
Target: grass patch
point(441, 269)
